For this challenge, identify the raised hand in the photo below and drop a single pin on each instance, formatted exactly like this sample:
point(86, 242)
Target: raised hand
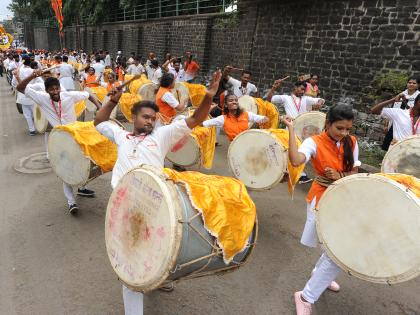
point(288, 121)
point(214, 84)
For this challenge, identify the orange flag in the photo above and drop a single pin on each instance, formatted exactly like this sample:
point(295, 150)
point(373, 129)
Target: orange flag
point(57, 6)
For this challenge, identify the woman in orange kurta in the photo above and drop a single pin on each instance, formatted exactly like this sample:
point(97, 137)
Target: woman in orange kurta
point(234, 120)
point(112, 82)
point(91, 80)
point(334, 154)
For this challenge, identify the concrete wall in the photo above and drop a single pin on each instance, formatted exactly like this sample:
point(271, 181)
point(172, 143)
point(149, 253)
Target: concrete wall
point(45, 38)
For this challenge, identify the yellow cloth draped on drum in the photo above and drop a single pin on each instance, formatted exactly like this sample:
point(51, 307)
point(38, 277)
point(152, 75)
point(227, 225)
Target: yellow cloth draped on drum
point(228, 211)
point(126, 102)
point(197, 93)
point(411, 182)
point(136, 84)
point(206, 138)
point(294, 172)
point(270, 111)
point(79, 108)
point(94, 145)
point(100, 92)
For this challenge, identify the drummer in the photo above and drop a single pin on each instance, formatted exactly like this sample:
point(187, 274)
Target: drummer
point(91, 80)
point(58, 108)
point(405, 122)
point(173, 66)
point(136, 67)
point(242, 87)
point(147, 145)
point(167, 102)
point(112, 82)
point(295, 104)
point(234, 120)
point(334, 154)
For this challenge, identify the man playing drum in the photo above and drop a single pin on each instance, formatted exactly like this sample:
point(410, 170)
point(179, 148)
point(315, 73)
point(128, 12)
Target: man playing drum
point(242, 87)
point(166, 101)
point(58, 108)
point(234, 120)
point(147, 145)
point(334, 154)
point(295, 104)
point(405, 122)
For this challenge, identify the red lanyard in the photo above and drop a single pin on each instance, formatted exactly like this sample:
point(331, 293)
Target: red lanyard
point(58, 113)
point(297, 105)
point(414, 126)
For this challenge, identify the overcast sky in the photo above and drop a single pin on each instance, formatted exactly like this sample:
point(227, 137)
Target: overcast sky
point(4, 12)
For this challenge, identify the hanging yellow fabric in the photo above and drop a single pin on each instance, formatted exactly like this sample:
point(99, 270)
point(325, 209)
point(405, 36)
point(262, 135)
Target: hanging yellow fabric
point(126, 102)
point(94, 145)
point(411, 182)
point(270, 111)
point(294, 172)
point(100, 92)
point(79, 108)
point(197, 93)
point(228, 211)
point(206, 138)
point(136, 84)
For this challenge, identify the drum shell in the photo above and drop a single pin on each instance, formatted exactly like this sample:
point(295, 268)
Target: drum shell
point(193, 246)
point(40, 122)
point(176, 157)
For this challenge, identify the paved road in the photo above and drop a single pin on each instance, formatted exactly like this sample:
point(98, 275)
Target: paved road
point(52, 263)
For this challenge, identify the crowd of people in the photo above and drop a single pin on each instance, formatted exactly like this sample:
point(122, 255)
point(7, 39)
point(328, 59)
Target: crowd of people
point(50, 80)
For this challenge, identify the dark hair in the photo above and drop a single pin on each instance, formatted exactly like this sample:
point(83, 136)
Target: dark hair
point(413, 78)
point(246, 72)
point(27, 61)
point(49, 82)
point(144, 104)
point(343, 112)
point(58, 58)
point(34, 65)
point(155, 62)
point(417, 99)
point(65, 58)
point(97, 58)
point(300, 83)
point(313, 75)
point(226, 109)
point(88, 69)
point(136, 58)
point(167, 79)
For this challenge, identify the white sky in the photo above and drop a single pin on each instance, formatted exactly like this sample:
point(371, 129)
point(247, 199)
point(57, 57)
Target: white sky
point(4, 12)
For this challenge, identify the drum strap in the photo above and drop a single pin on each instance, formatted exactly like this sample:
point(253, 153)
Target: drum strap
point(324, 181)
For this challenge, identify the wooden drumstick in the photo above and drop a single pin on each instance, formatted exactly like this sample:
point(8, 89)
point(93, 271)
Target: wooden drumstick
point(179, 97)
point(137, 76)
point(285, 78)
point(49, 69)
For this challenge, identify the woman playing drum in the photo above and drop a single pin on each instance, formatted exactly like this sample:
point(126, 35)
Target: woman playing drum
point(334, 154)
point(234, 120)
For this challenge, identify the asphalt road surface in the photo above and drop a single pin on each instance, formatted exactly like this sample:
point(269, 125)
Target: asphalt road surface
point(53, 263)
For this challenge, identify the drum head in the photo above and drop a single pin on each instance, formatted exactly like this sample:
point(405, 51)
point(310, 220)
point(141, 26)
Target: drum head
point(257, 159)
point(185, 153)
point(148, 91)
point(89, 105)
point(403, 157)
point(247, 103)
point(180, 91)
point(142, 233)
point(40, 122)
point(309, 124)
point(67, 159)
point(370, 226)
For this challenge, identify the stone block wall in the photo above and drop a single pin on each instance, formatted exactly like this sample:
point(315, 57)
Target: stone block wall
point(346, 42)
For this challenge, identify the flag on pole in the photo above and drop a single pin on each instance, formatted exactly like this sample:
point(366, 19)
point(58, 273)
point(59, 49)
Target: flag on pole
point(57, 6)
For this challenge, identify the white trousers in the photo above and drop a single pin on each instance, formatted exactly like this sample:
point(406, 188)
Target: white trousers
point(29, 116)
point(309, 236)
point(324, 273)
point(133, 302)
point(69, 193)
point(46, 142)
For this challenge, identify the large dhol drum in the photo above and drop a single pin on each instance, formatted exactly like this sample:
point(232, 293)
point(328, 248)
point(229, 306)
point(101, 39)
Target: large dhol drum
point(258, 159)
point(99, 94)
point(148, 91)
point(40, 122)
point(403, 157)
point(247, 103)
point(186, 153)
point(309, 124)
point(153, 234)
point(68, 160)
point(180, 91)
point(369, 225)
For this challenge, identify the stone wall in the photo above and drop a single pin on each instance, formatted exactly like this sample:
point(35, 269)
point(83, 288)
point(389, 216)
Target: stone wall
point(346, 42)
point(45, 37)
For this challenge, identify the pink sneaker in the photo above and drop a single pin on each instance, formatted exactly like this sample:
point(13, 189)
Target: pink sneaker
point(302, 308)
point(334, 286)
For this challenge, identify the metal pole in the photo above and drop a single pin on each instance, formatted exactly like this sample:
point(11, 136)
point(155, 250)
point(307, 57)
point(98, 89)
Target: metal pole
point(177, 8)
point(198, 7)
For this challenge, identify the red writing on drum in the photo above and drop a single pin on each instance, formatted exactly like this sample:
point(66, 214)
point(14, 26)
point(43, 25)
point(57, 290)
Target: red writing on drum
point(116, 203)
point(155, 196)
point(161, 232)
point(147, 234)
point(180, 144)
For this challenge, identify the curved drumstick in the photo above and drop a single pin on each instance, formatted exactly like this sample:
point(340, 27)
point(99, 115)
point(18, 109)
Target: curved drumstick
point(137, 76)
point(49, 69)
